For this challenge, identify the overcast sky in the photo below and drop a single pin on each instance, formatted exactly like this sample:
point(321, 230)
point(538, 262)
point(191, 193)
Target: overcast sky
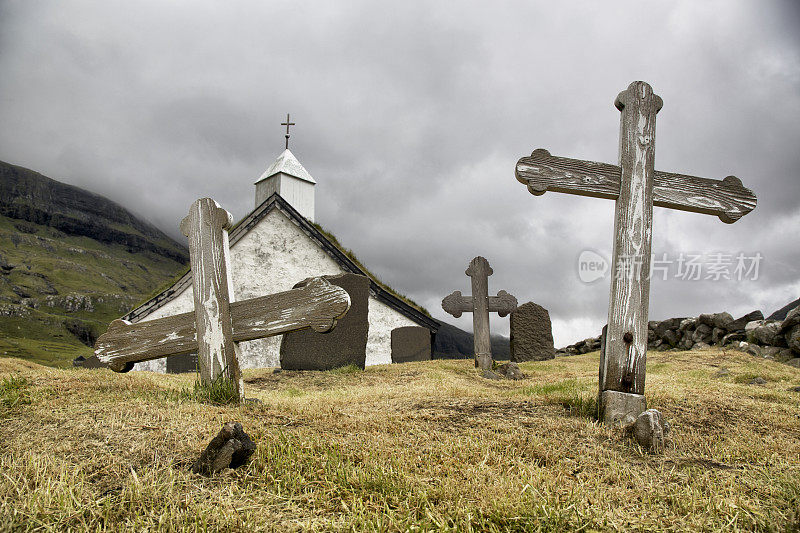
point(411, 116)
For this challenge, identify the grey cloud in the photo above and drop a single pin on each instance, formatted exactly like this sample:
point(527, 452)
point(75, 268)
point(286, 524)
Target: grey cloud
point(411, 117)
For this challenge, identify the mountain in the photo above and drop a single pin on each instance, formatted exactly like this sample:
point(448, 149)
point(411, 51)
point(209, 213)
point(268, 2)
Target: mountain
point(70, 262)
point(454, 343)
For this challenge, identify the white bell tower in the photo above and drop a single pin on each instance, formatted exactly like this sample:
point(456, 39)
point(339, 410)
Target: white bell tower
point(287, 177)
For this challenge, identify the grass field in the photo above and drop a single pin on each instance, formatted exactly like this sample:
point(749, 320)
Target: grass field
point(49, 279)
point(419, 446)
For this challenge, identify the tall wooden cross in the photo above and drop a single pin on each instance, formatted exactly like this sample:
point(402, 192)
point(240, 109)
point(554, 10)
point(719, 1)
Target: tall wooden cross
point(218, 323)
point(287, 124)
point(636, 187)
point(480, 304)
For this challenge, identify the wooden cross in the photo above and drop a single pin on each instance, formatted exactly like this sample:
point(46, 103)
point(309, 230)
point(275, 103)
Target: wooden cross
point(287, 124)
point(636, 187)
point(217, 322)
point(480, 304)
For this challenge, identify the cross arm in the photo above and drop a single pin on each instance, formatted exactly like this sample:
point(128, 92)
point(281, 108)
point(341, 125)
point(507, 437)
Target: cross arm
point(728, 198)
point(456, 304)
point(316, 305)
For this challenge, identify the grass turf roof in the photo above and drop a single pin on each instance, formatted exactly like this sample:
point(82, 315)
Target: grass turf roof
point(334, 241)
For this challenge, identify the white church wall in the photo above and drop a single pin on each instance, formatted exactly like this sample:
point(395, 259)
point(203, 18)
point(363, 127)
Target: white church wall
point(182, 303)
point(382, 320)
point(272, 257)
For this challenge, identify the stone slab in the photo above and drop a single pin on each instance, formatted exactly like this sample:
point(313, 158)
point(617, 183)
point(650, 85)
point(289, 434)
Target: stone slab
point(531, 334)
point(180, 364)
point(411, 343)
point(620, 409)
point(345, 345)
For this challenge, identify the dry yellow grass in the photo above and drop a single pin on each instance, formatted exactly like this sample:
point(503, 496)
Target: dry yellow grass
point(421, 446)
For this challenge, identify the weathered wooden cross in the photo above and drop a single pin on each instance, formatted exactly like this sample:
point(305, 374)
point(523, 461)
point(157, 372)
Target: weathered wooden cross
point(636, 187)
point(480, 304)
point(218, 322)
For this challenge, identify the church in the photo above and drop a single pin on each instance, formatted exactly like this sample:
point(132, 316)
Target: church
point(273, 248)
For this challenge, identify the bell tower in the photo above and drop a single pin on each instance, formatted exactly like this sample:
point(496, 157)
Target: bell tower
point(287, 177)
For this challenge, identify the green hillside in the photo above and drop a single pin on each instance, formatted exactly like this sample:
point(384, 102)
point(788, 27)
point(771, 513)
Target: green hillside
point(59, 290)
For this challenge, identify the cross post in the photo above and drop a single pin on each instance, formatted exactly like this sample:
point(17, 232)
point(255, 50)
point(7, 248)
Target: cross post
point(218, 322)
point(636, 187)
point(480, 304)
point(287, 124)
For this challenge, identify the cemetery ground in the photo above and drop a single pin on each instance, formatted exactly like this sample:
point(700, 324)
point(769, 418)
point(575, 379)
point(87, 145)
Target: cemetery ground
point(418, 446)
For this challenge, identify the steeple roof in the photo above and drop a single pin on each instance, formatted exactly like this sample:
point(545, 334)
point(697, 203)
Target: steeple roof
point(287, 163)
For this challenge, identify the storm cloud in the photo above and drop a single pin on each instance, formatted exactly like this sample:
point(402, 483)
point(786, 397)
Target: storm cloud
point(411, 117)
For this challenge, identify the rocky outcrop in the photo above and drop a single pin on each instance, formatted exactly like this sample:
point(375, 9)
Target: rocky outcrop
point(777, 340)
point(28, 196)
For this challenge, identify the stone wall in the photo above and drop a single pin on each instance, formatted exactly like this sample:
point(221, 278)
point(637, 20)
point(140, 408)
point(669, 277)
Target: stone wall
point(777, 340)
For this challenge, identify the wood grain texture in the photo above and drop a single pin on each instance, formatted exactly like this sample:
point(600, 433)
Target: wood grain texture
point(207, 226)
point(480, 304)
point(479, 272)
point(626, 338)
point(727, 199)
point(456, 304)
point(317, 305)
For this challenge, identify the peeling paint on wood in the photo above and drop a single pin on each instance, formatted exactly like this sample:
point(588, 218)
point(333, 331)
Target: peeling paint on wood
point(636, 187)
point(318, 305)
point(207, 226)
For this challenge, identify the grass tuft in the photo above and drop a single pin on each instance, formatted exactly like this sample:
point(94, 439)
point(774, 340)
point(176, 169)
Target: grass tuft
point(347, 369)
point(221, 391)
point(14, 392)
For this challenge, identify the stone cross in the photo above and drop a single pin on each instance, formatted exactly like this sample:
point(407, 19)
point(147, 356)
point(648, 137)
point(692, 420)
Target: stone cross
point(480, 304)
point(636, 187)
point(218, 323)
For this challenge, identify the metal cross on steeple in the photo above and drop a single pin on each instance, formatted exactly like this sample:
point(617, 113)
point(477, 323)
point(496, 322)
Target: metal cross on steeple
point(287, 124)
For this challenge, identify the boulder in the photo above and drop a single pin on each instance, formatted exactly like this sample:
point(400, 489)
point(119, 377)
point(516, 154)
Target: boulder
point(532, 334)
point(488, 374)
point(411, 343)
point(733, 338)
point(715, 320)
point(229, 449)
point(717, 334)
point(741, 322)
point(752, 349)
point(793, 339)
point(687, 324)
point(785, 355)
point(701, 346)
point(670, 337)
point(510, 371)
point(750, 326)
point(702, 333)
point(651, 430)
point(792, 319)
point(770, 352)
point(794, 362)
point(345, 345)
point(765, 333)
point(665, 325)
